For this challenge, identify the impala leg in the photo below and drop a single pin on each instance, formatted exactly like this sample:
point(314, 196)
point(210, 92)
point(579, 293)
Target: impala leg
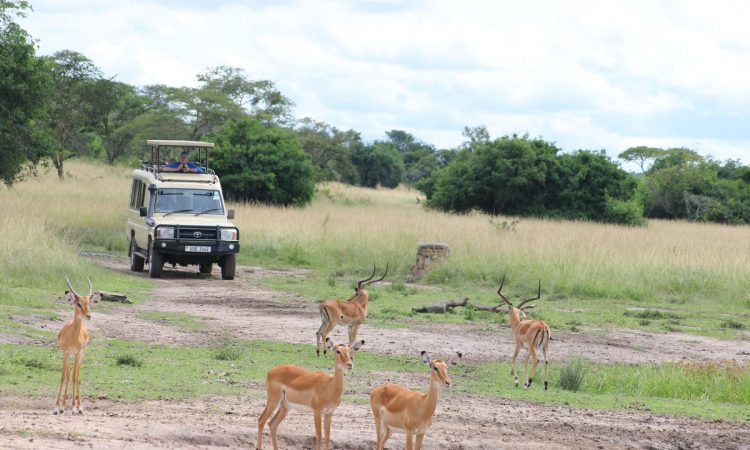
point(77, 383)
point(353, 333)
point(318, 431)
point(544, 353)
point(59, 406)
point(526, 375)
point(319, 335)
point(378, 428)
point(409, 440)
point(419, 441)
point(67, 383)
point(328, 431)
point(275, 422)
point(513, 372)
point(272, 402)
point(324, 335)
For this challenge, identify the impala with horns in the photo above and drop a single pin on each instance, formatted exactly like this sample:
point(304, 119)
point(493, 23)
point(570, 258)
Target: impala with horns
point(532, 334)
point(402, 410)
point(73, 338)
point(292, 387)
point(352, 312)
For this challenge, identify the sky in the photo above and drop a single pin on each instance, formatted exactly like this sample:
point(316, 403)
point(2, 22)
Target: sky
point(582, 74)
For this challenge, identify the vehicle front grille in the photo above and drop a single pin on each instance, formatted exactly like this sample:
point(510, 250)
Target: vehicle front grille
point(198, 233)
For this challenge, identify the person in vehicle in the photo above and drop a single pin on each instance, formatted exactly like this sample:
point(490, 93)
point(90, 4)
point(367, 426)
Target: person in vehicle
point(183, 165)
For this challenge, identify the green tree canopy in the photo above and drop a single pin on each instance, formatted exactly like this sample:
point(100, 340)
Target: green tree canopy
point(24, 83)
point(331, 150)
point(263, 162)
point(379, 163)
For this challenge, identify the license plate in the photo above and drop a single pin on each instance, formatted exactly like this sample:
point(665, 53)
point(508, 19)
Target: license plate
point(198, 248)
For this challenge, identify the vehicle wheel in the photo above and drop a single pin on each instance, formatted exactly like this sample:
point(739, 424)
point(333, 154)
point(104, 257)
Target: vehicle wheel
point(155, 263)
point(228, 267)
point(205, 268)
point(136, 262)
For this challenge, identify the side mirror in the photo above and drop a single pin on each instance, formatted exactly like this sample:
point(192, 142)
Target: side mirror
point(143, 211)
point(230, 214)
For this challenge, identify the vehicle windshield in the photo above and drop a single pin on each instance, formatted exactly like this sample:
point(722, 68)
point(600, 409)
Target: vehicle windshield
point(195, 201)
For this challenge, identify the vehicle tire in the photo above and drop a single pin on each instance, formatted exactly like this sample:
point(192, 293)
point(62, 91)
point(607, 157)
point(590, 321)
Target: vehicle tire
point(205, 268)
point(155, 263)
point(228, 267)
point(136, 262)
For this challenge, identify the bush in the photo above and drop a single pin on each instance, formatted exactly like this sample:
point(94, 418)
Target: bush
point(264, 163)
point(228, 351)
point(129, 360)
point(572, 374)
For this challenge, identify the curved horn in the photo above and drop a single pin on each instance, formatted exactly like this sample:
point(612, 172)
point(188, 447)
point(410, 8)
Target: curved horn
point(502, 282)
point(359, 283)
point(538, 296)
point(379, 279)
point(71, 287)
point(91, 287)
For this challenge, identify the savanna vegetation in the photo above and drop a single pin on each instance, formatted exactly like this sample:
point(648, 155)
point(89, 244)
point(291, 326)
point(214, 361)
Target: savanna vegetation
point(666, 277)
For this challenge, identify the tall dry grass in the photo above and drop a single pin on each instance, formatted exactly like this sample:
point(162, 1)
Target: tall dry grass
point(347, 228)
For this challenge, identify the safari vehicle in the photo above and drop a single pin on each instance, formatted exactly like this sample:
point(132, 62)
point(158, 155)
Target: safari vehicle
point(179, 217)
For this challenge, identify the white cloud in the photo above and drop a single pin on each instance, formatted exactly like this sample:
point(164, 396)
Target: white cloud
point(574, 72)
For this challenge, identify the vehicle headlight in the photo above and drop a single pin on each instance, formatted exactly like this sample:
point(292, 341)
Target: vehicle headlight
point(165, 232)
point(228, 234)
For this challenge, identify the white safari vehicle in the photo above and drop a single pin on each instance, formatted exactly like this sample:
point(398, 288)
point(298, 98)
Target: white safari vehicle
point(177, 213)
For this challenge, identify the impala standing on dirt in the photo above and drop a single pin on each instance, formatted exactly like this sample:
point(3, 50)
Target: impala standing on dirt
point(293, 387)
point(352, 312)
point(532, 334)
point(397, 408)
point(73, 339)
point(177, 213)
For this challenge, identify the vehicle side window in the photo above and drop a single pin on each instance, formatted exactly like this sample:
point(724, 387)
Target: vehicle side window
point(141, 193)
point(133, 191)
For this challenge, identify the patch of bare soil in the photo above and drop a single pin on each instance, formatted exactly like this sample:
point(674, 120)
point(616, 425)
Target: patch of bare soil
point(243, 309)
point(460, 423)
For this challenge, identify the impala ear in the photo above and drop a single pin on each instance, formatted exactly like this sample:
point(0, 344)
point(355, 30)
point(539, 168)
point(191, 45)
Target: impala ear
point(358, 345)
point(95, 298)
point(426, 357)
point(69, 297)
point(329, 343)
point(455, 358)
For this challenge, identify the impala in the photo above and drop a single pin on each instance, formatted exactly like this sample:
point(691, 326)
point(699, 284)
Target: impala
point(352, 312)
point(397, 408)
point(292, 387)
point(532, 334)
point(73, 338)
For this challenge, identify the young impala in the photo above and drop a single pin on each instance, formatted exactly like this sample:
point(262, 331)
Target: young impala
point(352, 312)
point(531, 334)
point(292, 387)
point(73, 338)
point(397, 408)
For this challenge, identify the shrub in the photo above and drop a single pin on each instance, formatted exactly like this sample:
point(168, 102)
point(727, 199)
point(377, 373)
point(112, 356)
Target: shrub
point(129, 360)
point(572, 374)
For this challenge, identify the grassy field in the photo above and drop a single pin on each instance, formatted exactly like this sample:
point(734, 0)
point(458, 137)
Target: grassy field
point(668, 276)
point(134, 371)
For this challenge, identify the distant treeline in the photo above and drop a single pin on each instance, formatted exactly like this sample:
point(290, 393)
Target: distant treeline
point(62, 106)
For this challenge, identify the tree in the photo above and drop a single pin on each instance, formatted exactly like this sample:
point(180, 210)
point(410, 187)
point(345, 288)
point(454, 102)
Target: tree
point(24, 83)
point(379, 164)
point(262, 162)
point(413, 152)
point(69, 110)
point(640, 155)
point(225, 94)
point(475, 135)
point(331, 150)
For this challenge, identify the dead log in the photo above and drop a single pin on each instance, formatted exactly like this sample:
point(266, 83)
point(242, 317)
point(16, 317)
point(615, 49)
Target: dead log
point(114, 297)
point(496, 308)
point(442, 307)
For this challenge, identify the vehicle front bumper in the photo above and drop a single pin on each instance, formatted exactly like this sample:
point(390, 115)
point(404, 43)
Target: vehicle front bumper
point(177, 247)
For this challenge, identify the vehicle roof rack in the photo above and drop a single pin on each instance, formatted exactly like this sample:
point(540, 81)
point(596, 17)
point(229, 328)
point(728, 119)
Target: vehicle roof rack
point(156, 162)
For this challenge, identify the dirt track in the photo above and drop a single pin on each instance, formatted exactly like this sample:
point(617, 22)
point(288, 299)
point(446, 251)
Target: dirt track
point(243, 309)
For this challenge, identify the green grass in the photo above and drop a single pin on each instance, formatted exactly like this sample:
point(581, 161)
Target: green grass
point(134, 371)
point(175, 319)
point(392, 306)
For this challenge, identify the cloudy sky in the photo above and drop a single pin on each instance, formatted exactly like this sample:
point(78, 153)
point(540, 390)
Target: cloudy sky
point(584, 74)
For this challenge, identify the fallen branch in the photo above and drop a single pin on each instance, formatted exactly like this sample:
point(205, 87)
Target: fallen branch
point(114, 297)
point(496, 308)
point(442, 307)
